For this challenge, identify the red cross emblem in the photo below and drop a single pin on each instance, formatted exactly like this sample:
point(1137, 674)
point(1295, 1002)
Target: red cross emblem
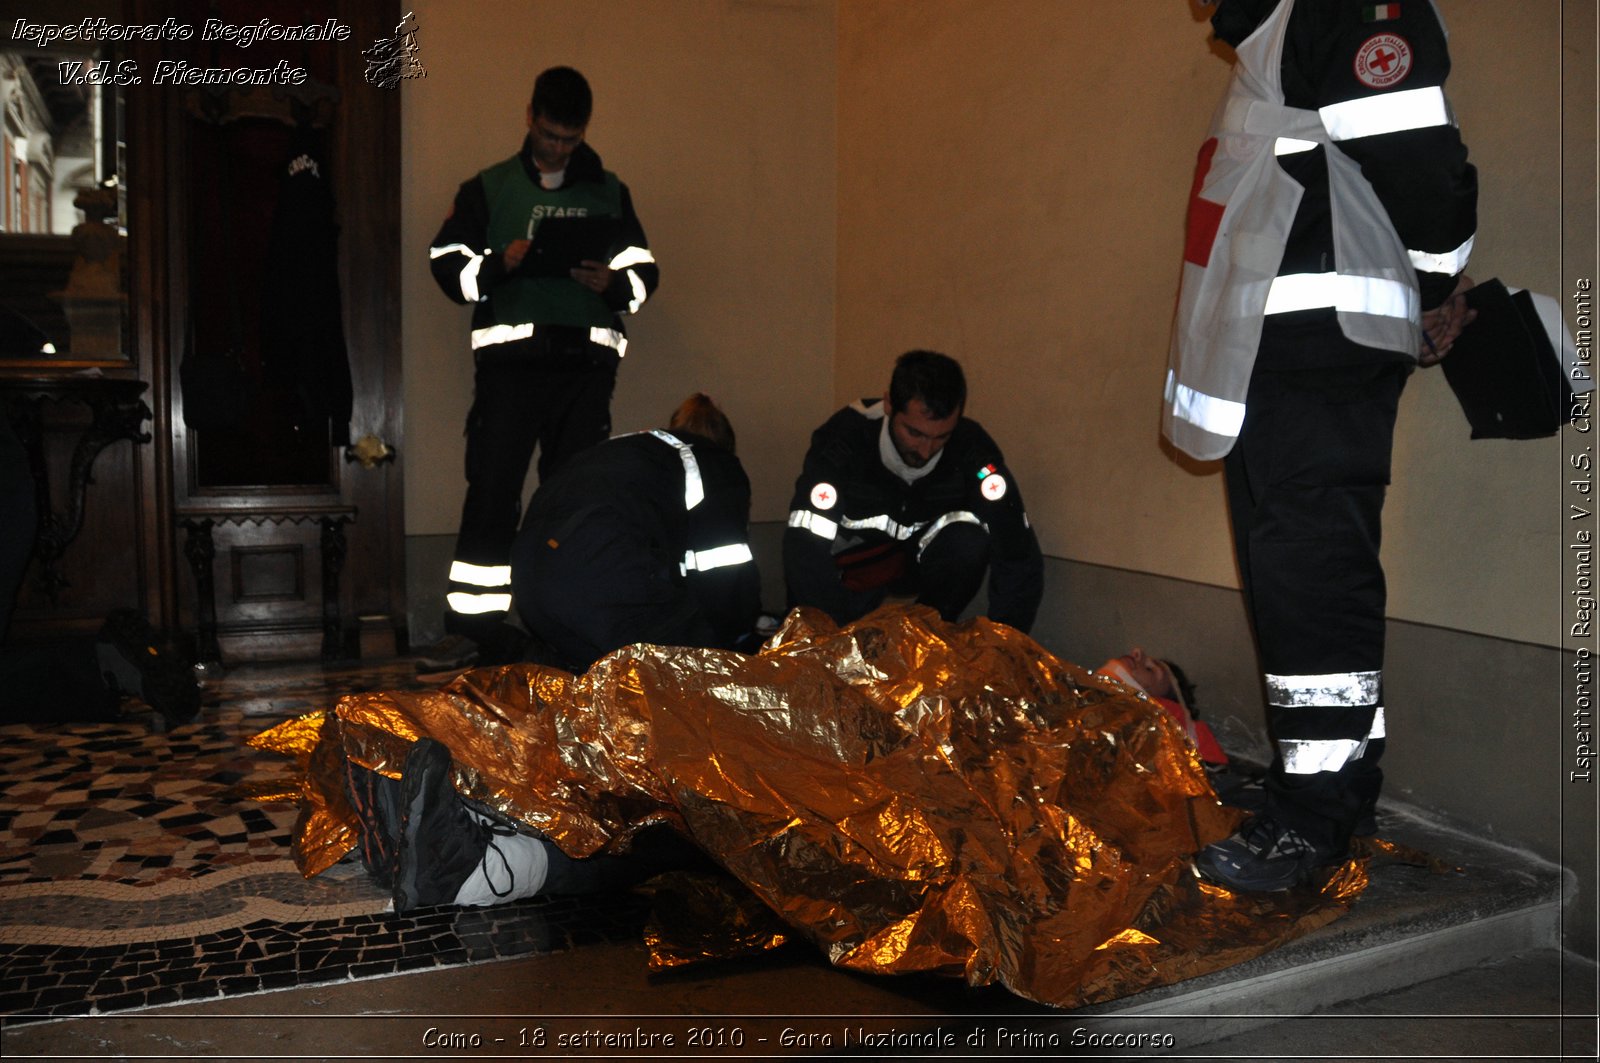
point(1383, 60)
point(823, 496)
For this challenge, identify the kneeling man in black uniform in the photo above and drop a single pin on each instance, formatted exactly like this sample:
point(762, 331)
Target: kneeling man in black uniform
point(905, 496)
point(642, 538)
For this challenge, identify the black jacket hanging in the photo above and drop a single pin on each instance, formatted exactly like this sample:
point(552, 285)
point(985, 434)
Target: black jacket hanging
point(302, 324)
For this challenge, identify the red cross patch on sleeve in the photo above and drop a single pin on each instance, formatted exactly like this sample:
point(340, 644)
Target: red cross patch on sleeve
point(1383, 60)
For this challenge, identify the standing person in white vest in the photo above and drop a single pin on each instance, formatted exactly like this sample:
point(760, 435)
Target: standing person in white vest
point(1330, 223)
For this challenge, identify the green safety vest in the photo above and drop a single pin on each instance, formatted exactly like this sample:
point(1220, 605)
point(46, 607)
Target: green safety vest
point(516, 207)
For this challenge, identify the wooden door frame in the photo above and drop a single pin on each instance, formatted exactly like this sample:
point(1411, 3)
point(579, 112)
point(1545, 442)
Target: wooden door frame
point(365, 153)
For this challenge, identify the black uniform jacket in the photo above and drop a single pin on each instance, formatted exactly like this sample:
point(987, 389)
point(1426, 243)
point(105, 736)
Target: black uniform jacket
point(1421, 176)
point(846, 497)
point(640, 481)
point(468, 224)
point(302, 321)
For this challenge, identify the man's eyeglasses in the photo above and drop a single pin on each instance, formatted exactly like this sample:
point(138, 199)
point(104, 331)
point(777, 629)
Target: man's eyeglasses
point(570, 140)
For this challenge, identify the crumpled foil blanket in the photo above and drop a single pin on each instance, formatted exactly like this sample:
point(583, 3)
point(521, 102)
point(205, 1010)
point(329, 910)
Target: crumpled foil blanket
point(907, 794)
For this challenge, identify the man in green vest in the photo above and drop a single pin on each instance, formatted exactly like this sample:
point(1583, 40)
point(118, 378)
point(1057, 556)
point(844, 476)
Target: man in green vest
point(547, 250)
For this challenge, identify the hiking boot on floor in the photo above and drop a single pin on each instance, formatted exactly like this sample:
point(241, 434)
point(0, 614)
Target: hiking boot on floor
point(1264, 856)
point(376, 800)
point(440, 843)
point(448, 654)
point(134, 662)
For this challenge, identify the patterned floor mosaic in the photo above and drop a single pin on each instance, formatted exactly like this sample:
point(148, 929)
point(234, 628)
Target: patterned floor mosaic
point(136, 870)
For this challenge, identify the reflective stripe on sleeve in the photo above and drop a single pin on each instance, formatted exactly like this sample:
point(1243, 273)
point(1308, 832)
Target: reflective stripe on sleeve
point(469, 272)
point(631, 256)
point(1219, 416)
point(1449, 262)
point(694, 489)
point(815, 523)
point(828, 529)
point(959, 516)
point(1341, 291)
point(716, 557)
point(626, 258)
point(1392, 112)
point(1333, 689)
point(884, 523)
point(636, 286)
point(1291, 146)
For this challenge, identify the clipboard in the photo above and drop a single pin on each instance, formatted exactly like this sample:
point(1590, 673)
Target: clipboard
point(559, 244)
point(1504, 369)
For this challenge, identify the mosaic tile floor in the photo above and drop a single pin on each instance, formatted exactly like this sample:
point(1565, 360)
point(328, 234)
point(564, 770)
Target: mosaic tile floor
point(136, 870)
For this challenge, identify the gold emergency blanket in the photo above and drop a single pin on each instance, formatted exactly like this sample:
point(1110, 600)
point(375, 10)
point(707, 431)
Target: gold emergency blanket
point(910, 795)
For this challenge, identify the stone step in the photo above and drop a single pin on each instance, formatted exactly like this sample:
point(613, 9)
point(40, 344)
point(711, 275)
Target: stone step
point(1411, 925)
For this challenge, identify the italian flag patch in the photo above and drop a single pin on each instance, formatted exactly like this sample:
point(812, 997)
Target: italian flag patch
point(1380, 12)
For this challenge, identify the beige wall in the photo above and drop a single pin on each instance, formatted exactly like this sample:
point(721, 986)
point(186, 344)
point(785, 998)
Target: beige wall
point(719, 115)
point(830, 182)
point(1021, 168)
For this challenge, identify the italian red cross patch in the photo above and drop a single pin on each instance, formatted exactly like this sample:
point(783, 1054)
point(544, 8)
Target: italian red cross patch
point(1384, 60)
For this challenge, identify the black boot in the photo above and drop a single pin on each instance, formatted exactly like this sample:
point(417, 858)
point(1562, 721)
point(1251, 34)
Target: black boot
point(441, 844)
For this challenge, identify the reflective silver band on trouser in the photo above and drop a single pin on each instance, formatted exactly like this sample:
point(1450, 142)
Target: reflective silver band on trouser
point(468, 278)
point(959, 516)
point(493, 593)
point(716, 557)
point(694, 490)
point(1219, 416)
point(492, 335)
point(1337, 690)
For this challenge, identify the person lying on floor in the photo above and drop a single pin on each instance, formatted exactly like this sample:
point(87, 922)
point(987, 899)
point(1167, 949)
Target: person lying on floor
point(641, 538)
point(444, 849)
point(431, 847)
point(1166, 683)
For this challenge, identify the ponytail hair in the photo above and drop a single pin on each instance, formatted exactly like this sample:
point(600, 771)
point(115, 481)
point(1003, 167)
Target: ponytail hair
point(698, 415)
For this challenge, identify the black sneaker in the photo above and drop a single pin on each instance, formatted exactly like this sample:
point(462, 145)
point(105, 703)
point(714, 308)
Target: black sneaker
point(1263, 856)
point(135, 662)
point(376, 800)
point(440, 844)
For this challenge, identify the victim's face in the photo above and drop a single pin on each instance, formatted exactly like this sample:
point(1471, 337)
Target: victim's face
point(1148, 672)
